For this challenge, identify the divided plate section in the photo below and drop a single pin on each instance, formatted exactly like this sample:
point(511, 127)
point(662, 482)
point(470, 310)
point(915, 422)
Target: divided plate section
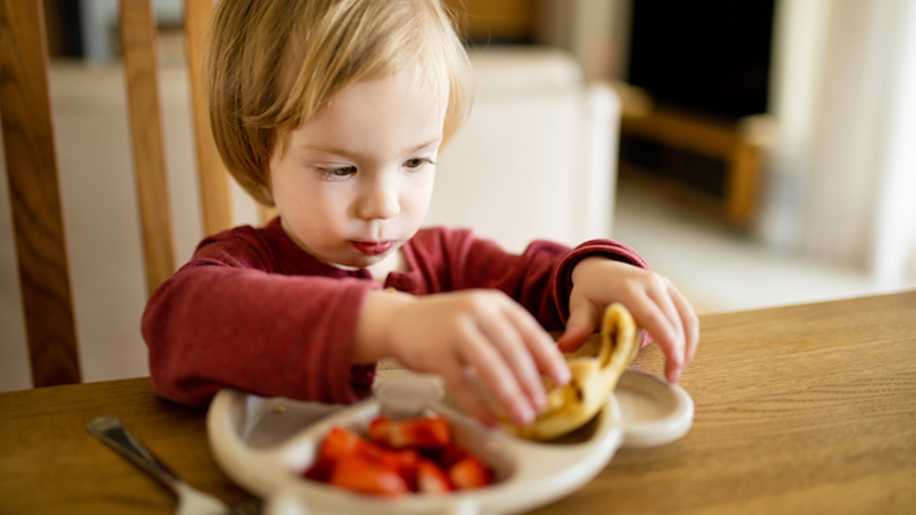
point(527, 474)
point(654, 412)
point(264, 444)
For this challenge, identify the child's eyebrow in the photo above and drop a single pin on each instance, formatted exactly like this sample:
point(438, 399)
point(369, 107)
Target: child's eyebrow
point(428, 143)
point(357, 155)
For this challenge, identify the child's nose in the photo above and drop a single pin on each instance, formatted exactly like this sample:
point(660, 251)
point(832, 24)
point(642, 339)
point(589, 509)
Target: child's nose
point(380, 202)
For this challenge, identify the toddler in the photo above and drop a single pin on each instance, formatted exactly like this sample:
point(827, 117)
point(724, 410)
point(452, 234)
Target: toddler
point(334, 111)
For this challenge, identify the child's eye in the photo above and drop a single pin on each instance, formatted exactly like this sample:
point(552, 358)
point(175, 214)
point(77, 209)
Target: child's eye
point(336, 173)
point(417, 163)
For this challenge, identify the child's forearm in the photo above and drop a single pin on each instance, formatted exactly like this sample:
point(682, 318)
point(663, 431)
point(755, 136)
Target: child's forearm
point(379, 308)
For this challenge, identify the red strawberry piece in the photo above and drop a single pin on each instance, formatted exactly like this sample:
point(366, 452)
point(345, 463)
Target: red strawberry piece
point(338, 443)
point(417, 432)
point(379, 429)
point(428, 431)
point(320, 470)
point(450, 454)
point(469, 473)
point(403, 462)
point(431, 479)
point(362, 475)
point(407, 466)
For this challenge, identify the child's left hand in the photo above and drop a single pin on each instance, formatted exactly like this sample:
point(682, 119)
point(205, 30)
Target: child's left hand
point(655, 303)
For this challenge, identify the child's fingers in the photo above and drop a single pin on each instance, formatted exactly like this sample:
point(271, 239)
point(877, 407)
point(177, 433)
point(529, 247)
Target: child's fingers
point(653, 320)
point(583, 320)
point(478, 352)
point(662, 299)
point(461, 388)
point(690, 320)
point(504, 335)
point(573, 338)
point(644, 338)
point(546, 355)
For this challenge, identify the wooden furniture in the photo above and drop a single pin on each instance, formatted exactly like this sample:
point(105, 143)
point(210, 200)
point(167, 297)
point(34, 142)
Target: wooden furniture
point(806, 408)
point(28, 136)
point(741, 145)
point(483, 21)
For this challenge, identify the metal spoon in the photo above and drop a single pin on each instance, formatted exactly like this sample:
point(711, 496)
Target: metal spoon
point(190, 500)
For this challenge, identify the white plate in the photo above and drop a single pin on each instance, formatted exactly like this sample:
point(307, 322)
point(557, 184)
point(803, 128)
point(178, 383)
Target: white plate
point(263, 444)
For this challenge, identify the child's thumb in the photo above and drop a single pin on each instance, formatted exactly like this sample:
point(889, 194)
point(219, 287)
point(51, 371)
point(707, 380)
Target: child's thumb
point(583, 319)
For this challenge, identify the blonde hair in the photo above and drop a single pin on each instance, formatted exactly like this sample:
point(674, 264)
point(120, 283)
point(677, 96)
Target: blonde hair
point(273, 64)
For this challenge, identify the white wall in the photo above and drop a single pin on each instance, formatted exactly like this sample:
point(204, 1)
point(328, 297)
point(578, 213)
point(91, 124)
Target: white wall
point(844, 171)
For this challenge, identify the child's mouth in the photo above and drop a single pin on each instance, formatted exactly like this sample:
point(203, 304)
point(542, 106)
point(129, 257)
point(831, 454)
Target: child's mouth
point(373, 248)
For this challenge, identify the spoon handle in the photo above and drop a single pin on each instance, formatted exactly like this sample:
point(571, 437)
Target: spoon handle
point(110, 431)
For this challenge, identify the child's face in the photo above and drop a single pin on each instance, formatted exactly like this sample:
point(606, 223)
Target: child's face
point(355, 181)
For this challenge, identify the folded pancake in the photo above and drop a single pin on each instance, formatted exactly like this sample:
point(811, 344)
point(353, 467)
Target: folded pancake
point(595, 369)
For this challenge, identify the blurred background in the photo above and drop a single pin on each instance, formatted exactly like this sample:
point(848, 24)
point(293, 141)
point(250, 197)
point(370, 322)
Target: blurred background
point(756, 152)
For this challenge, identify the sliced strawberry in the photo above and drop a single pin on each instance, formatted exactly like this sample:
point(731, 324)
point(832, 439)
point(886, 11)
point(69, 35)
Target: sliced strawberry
point(407, 466)
point(417, 432)
point(428, 432)
point(320, 470)
point(379, 429)
point(431, 479)
point(401, 456)
point(446, 455)
point(365, 476)
point(338, 443)
point(397, 459)
point(469, 473)
point(403, 462)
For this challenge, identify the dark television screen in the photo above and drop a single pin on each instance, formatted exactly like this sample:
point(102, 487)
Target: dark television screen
point(710, 57)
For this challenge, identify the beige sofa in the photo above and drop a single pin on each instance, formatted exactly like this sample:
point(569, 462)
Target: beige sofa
point(536, 159)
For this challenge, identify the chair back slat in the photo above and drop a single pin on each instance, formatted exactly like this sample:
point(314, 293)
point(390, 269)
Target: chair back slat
point(33, 177)
point(215, 200)
point(138, 44)
point(31, 167)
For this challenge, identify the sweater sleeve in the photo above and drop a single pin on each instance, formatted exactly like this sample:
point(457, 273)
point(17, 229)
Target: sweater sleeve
point(223, 321)
point(540, 278)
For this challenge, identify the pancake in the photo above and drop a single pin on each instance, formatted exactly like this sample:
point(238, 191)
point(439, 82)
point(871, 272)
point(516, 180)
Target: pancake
point(595, 368)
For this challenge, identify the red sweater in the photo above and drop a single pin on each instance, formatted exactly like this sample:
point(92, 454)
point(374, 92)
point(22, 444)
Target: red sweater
point(255, 312)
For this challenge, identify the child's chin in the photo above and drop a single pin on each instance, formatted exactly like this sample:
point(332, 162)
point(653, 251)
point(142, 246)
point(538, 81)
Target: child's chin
point(361, 261)
point(365, 261)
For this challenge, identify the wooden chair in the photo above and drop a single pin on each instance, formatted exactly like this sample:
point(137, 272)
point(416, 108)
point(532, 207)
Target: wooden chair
point(28, 136)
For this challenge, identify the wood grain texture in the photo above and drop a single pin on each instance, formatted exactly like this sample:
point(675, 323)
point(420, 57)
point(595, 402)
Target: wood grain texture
point(28, 138)
point(215, 200)
point(44, 442)
point(138, 43)
point(800, 409)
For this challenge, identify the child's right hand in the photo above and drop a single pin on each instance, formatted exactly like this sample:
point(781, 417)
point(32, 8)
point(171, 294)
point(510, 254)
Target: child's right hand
point(485, 345)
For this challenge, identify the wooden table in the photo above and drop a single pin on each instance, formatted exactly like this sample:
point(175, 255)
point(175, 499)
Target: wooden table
point(801, 409)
